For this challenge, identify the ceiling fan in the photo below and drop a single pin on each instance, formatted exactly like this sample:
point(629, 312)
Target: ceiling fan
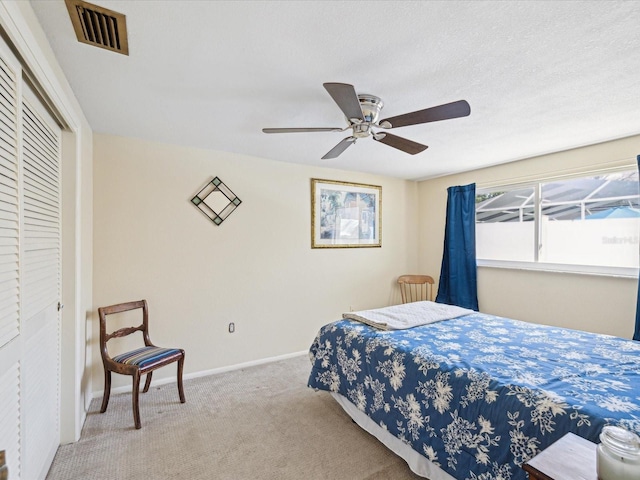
point(362, 113)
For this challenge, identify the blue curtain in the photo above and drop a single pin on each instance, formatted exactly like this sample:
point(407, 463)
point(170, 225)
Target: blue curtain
point(636, 333)
point(458, 275)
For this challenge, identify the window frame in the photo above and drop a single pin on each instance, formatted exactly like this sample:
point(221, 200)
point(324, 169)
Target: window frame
point(536, 265)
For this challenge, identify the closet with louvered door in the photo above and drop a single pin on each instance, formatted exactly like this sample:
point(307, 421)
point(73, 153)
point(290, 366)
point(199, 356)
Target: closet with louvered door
point(30, 265)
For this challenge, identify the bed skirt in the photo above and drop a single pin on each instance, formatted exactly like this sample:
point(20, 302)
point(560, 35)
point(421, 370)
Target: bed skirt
point(418, 464)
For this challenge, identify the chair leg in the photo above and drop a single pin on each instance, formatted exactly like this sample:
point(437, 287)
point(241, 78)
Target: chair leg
point(180, 368)
point(147, 382)
point(107, 390)
point(135, 393)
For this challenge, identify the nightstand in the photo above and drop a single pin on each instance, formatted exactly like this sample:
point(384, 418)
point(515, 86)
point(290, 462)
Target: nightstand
point(570, 458)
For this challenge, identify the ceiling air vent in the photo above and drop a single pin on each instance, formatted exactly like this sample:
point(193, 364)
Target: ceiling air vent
point(98, 26)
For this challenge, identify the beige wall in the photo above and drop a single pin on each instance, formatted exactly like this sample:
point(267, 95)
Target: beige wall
point(257, 269)
point(594, 303)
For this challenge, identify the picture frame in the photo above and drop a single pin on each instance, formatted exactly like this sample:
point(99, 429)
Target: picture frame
point(345, 215)
point(216, 201)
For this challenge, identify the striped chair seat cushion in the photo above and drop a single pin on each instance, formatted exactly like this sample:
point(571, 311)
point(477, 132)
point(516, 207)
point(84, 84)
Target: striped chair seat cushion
point(145, 355)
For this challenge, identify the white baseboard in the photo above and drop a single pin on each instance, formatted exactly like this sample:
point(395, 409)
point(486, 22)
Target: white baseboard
point(205, 373)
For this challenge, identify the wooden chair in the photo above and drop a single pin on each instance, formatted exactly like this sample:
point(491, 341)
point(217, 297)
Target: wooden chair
point(137, 362)
point(415, 288)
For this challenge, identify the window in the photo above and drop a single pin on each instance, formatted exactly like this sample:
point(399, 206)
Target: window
point(585, 222)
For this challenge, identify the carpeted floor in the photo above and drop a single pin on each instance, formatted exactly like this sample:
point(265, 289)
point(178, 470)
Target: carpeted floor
point(258, 423)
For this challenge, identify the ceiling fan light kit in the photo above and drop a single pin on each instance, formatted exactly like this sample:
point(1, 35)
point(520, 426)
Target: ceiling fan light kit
point(362, 112)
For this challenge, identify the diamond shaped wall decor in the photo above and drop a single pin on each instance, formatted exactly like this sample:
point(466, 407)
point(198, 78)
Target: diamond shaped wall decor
point(216, 201)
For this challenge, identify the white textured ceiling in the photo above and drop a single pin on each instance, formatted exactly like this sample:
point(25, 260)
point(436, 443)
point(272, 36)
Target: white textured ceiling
point(539, 76)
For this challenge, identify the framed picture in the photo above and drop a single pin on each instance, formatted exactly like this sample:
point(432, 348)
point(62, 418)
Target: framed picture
point(345, 215)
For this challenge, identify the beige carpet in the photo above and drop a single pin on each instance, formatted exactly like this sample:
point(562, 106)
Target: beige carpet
point(258, 423)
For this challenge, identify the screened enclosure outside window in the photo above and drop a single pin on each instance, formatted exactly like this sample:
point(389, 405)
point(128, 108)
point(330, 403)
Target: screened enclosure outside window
point(587, 221)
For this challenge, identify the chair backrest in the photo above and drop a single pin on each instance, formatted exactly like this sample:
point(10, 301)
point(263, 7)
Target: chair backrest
point(123, 332)
point(415, 288)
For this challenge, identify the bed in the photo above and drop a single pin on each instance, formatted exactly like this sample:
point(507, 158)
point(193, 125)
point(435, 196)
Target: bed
point(474, 396)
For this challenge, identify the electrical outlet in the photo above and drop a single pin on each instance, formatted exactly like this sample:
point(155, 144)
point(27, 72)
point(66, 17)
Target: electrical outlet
point(232, 327)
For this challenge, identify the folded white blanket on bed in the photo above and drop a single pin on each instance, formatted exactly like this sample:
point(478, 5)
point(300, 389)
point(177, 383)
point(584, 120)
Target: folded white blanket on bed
point(407, 315)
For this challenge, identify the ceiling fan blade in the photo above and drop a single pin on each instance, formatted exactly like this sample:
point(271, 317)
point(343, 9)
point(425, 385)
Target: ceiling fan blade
point(295, 130)
point(346, 98)
point(400, 143)
point(339, 148)
point(434, 114)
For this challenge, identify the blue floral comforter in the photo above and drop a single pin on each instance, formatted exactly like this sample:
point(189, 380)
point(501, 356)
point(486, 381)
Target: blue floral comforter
point(479, 395)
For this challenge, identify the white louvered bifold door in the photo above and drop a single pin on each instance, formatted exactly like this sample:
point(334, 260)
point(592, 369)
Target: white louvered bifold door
point(9, 214)
point(10, 342)
point(30, 265)
point(41, 213)
point(40, 288)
